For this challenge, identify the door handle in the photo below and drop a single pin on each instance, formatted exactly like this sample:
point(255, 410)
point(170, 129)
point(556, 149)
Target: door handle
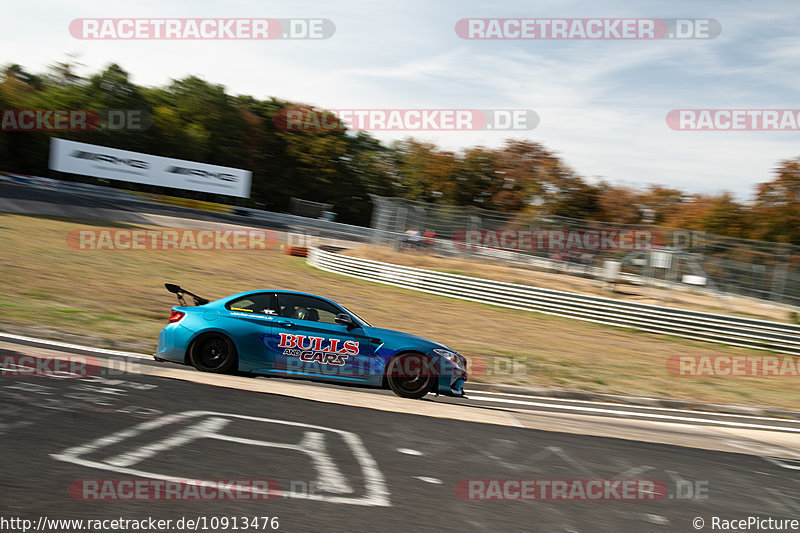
point(285, 324)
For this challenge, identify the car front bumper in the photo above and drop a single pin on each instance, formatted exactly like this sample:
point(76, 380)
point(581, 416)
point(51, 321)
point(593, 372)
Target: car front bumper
point(452, 383)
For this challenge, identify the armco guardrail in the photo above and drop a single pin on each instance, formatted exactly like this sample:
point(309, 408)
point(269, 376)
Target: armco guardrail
point(294, 222)
point(697, 325)
point(326, 228)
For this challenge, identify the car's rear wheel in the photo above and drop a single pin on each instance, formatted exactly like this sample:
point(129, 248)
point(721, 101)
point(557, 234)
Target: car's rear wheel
point(213, 352)
point(410, 375)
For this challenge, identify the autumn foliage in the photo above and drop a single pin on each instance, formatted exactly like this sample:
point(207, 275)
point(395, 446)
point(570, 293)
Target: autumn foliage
point(200, 121)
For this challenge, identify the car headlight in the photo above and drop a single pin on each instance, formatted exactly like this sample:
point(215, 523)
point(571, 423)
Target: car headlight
point(450, 355)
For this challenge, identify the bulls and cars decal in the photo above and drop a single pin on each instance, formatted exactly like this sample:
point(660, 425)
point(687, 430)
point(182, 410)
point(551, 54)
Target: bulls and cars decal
point(322, 350)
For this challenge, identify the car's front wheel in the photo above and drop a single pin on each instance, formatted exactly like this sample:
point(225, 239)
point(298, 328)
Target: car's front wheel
point(411, 375)
point(213, 352)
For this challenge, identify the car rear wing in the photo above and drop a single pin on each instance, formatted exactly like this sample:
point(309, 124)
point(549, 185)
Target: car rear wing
point(177, 290)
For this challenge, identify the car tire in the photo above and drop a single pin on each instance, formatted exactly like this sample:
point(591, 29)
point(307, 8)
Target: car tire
point(409, 375)
point(213, 352)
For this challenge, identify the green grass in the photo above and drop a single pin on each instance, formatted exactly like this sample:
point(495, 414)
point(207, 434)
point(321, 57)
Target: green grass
point(120, 296)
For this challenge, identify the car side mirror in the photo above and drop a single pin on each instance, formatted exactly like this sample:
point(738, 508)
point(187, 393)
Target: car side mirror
point(344, 319)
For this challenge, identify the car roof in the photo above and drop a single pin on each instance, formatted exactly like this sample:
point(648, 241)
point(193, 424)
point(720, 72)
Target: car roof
point(278, 291)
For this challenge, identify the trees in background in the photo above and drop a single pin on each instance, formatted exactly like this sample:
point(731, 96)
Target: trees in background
point(775, 213)
point(196, 120)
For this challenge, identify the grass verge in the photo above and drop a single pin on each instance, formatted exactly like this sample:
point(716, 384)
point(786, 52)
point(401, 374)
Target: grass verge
point(120, 295)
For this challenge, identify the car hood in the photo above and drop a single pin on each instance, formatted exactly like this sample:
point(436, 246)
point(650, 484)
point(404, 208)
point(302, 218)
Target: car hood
point(386, 334)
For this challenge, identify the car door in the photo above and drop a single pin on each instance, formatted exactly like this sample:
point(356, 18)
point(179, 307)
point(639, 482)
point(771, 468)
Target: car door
point(306, 340)
point(249, 319)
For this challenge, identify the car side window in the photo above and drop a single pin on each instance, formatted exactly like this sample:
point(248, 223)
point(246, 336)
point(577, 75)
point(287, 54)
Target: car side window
point(262, 303)
point(302, 307)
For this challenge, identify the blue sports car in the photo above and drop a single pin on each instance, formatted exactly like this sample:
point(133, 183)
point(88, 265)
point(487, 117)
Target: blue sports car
point(294, 334)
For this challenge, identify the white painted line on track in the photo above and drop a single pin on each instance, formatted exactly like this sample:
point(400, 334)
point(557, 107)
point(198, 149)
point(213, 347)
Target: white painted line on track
point(668, 418)
point(782, 464)
point(630, 406)
point(409, 451)
point(426, 479)
point(615, 411)
point(376, 493)
point(69, 346)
